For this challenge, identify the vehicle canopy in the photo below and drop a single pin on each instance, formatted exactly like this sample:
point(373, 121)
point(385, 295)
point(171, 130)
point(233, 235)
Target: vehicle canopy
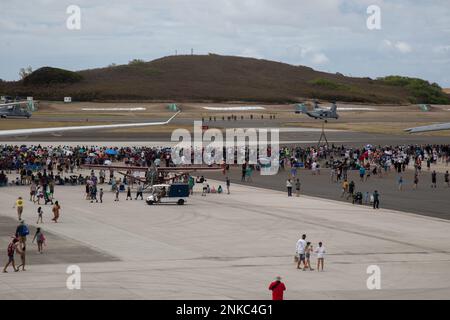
point(176, 190)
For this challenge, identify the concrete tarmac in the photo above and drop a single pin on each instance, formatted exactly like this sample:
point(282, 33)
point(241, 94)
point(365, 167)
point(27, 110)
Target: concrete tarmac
point(231, 247)
point(423, 201)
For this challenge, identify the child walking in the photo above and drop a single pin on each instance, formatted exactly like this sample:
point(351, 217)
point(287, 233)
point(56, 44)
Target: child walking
point(40, 213)
point(308, 251)
point(40, 240)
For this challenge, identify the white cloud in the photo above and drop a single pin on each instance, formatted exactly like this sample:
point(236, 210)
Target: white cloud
point(313, 33)
point(403, 47)
point(399, 46)
point(320, 59)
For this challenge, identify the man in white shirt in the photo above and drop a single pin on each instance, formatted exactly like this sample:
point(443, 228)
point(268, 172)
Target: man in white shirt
point(320, 252)
point(289, 187)
point(300, 248)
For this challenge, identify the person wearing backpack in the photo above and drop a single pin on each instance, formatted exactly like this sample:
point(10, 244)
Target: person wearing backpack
point(22, 232)
point(277, 287)
point(40, 240)
point(12, 248)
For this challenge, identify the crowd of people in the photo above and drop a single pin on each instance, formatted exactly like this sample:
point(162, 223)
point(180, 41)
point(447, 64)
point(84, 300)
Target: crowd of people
point(60, 160)
point(368, 161)
point(43, 168)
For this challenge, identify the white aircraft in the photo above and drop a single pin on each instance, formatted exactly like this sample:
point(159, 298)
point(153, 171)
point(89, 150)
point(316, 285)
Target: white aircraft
point(25, 132)
point(430, 128)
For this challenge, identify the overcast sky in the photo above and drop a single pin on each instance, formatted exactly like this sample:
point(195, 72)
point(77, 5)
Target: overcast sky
point(328, 35)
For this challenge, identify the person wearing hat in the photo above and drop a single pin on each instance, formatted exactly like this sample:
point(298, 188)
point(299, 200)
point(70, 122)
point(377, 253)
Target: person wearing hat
point(277, 287)
point(22, 232)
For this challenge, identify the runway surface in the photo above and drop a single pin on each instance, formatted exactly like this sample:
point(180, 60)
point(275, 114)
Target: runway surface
point(60, 249)
point(306, 136)
point(423, 201)
point(231, 247)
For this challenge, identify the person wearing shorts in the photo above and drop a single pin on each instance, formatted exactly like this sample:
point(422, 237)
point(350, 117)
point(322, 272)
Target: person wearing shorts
point(301, 246)
point(19, 206)
point(12, 248)
point(308, 251)
point(320, 252)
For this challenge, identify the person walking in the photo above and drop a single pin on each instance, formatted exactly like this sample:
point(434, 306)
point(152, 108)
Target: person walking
point(40, 214)
point(94, 193)
point(205, 188)
point(332, 174)
point(308, 251)
point(22, 253)
point(129, 193)
point(191, 182)
point(345, 186)
point(33, 191)
point(228, 181)
point(56, 211)
point(362, 173)
point(139, 192)
point(249, 173)
point(447, 179)
point(22, 232)
point(351, 190)
point(39, 195)
point(117, 194)
point(101, 195)
point(87, 191)
point(400, 183)
point(297, 187)
point(434, 180)
point(376, 200)
point(13, 247)
point(289, 187)
point(19, 205)
point(40, 240)
point(244, 172)
point(320, 252)
point(277, 287)
point(416, 181)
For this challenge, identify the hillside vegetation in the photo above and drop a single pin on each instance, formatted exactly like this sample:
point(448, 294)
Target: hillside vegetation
point(49, 76)
point(421, 91)
point(218, 78)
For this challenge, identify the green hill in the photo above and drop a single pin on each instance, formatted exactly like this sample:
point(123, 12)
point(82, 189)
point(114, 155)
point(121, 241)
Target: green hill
point(216, 78)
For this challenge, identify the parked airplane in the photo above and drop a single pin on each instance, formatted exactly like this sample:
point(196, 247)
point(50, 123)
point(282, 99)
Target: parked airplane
point(155, 175)
point(430, 128)
point(319, 113)
point(56, 130)
point(19, 109)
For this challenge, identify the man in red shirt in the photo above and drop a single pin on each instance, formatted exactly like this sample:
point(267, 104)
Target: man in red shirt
point(277, 287)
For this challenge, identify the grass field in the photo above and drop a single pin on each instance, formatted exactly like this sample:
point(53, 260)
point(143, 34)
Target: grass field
point(383, 119)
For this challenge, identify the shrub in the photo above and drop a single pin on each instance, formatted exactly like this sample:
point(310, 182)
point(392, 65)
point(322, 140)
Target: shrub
point(328, 84)
point(47, 75)
point(421, 91)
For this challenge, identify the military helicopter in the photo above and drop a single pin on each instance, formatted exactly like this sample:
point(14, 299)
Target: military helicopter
point(318, 113)
point(19, 109)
